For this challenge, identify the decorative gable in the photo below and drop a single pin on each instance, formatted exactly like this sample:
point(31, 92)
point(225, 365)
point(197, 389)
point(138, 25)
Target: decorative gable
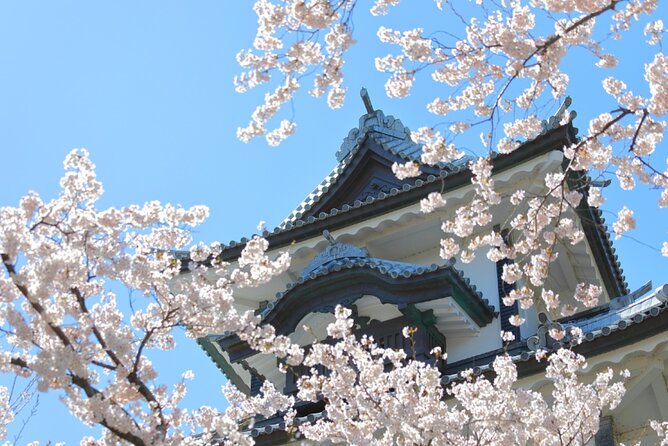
point(437, 298)
point(365, 160)
point(366, 174)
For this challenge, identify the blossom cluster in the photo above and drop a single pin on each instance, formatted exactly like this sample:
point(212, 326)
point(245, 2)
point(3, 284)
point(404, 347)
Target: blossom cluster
point(322, 34)
point(399, 400)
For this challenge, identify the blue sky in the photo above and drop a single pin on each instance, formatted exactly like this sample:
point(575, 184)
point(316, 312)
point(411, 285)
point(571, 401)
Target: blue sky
point(147, 88)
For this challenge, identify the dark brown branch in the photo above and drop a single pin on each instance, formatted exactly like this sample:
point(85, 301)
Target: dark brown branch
point(645, 113)
point(132, 377)
point(93, 392)
point(58, 331)
point(582, 20)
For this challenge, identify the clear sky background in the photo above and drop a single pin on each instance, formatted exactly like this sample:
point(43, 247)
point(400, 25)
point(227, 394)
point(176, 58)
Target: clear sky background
point(147, 88)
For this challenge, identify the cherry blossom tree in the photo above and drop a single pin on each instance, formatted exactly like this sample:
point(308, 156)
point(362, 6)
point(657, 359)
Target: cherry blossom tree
point(64, 326)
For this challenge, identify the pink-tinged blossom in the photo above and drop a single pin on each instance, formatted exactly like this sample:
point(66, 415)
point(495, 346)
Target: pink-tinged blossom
point(661, 429)
point(511, 273)
point(507, 336)
point(557, 334)
point(516, 320)
point(607, 61)
point(381, 7)
point(435, 149)
point(576, 334)
point(399, 85)
point(568, 310)
point(517, 197)
point(467, 256)
point(656, 74)
point(433, 201)
point(449, 248)
point(459, 127)
point(6, 411)
point(408, 169)
point(625, 222)
point(588, 294)
point(655, 31)
point(595, 197)
point(285, 129)
point(527, 128)
point(550, 298)
point(437, 352)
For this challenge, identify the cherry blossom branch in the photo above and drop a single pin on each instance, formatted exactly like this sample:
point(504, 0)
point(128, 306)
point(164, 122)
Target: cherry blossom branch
point(132, 377)
point(39, 309)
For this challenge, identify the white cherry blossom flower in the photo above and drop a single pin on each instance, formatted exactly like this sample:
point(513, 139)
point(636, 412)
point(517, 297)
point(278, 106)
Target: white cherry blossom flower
point(516, 320)
point(406, 170)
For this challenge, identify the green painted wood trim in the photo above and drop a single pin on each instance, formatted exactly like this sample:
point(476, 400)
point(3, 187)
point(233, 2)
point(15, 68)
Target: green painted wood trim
point(424, 320)
point(222, 364)
point(472, 306)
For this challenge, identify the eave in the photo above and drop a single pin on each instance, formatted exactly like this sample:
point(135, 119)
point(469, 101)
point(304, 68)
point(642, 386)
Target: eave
point(598, 238)
point(345, 283)
point(640, 320)
point(207, 344)
point(460, 176)
point(554, 139)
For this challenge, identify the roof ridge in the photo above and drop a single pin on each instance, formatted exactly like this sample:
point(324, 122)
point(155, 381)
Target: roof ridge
point(377, 122)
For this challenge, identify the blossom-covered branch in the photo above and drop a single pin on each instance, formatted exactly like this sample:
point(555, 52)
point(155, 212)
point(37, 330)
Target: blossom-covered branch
point(64, 324)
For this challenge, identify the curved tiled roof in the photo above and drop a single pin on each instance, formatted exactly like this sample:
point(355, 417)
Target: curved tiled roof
point(390, 268)
point(385, 130)
point(291, 225)
point(294, 219)
point(272, 425)
point(389, 133)
point(395, 138)
point(603, 324)
point(288, 226)
point(622, 317)
point(606, 243)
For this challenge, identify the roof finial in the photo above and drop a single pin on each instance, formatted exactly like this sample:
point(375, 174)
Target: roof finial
point(367, 100)
point(561, 115)
point(328, 237)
